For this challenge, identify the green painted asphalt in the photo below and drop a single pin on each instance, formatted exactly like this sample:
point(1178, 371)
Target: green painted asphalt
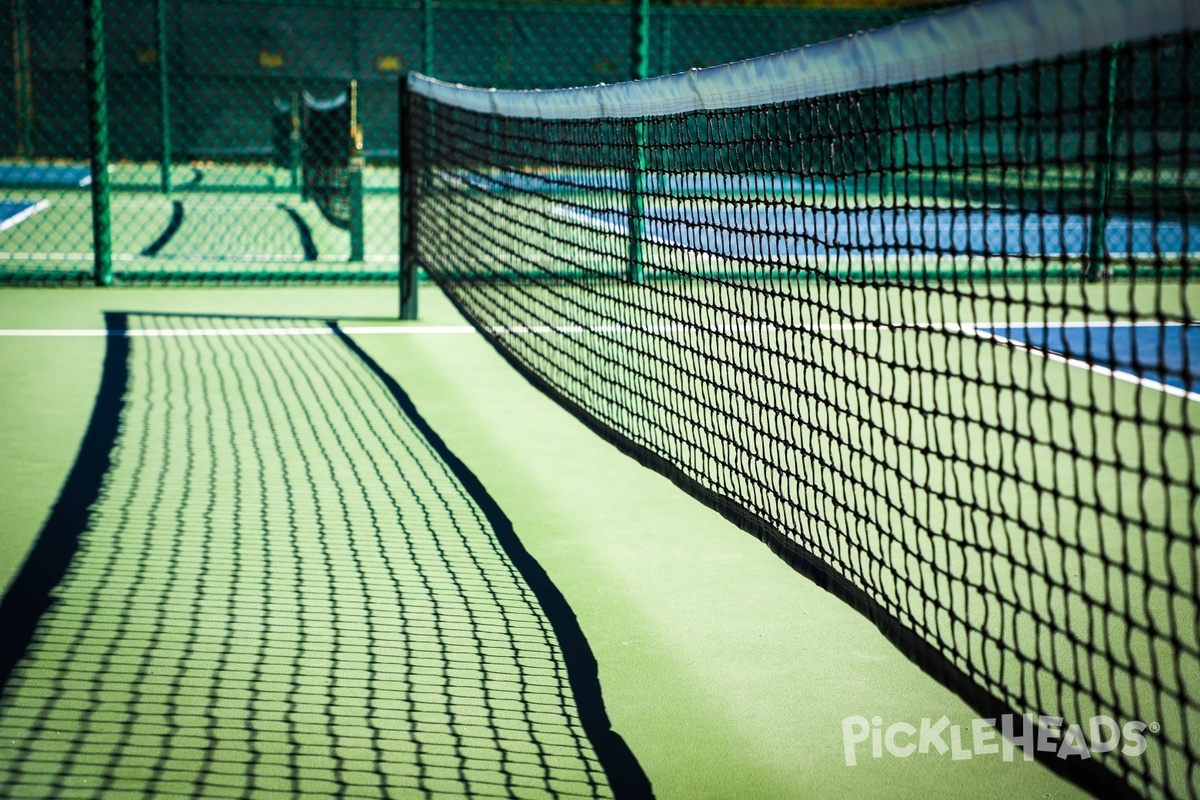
point(725, 672)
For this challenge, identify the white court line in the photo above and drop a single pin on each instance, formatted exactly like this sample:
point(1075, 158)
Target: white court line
point(24, 214)
point(1108, 372)
point(221, 258)
point(613, 227)
point(519, 330)
point(173, 333)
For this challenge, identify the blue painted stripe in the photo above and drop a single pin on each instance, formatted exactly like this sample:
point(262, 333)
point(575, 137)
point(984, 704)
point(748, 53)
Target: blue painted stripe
point(793, 233)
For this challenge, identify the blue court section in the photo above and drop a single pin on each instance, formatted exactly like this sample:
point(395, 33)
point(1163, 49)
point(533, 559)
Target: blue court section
point(13, 212)
point(1164, 353)
point(661, 183)
point(45, 175)
point(675, 212)
point(781, 232)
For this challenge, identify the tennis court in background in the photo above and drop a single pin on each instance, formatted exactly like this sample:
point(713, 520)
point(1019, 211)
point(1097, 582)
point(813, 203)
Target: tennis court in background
point(220, 221)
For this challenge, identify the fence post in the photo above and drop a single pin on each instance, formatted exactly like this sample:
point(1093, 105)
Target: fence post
point(640, 38)
point(408, 256)
point(22, 80)
point(665, 12)
point(98, 142)
point(1103, 175)
point(640, 30)
point(427, 40)
point(164, 94)
point(356, 178)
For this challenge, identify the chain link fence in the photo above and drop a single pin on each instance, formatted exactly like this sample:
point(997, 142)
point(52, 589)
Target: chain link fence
point(164, 139)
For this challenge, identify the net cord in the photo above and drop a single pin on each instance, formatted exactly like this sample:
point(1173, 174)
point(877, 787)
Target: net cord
point(975, 37)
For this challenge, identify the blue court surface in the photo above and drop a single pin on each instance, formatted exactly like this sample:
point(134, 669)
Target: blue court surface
point(686, 210)
point(50, 176)
point(786, 233)
point(1167, 354)
point(13, 212)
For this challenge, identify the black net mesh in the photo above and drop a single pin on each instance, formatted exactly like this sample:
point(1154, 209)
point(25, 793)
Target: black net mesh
point(328, 143)
point(268, 578)
point(933, 342)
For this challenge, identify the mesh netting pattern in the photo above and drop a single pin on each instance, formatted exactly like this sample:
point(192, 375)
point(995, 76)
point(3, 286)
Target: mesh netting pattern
point(932, 340)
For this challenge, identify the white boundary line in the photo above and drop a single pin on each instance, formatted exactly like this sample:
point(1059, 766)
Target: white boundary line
point(972, 329)
point(24, 214)
point(183, 333)
point(1059, 358)
point(612, 227)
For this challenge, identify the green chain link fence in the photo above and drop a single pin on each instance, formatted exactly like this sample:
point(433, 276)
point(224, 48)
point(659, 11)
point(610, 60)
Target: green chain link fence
point(163, 140)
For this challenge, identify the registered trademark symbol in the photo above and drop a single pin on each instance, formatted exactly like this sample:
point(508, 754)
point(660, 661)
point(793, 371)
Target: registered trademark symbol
point(1155, 727)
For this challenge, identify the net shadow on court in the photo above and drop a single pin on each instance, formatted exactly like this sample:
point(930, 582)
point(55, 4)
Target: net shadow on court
point(266, 574)
point(913, 307)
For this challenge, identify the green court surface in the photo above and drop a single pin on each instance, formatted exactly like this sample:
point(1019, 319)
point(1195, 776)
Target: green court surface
point(244, 610)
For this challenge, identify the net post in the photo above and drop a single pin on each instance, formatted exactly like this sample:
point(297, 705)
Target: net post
point(356, 178)
point(164, 95)
point(1103, 174)
point(408, 258)
point(98, 142)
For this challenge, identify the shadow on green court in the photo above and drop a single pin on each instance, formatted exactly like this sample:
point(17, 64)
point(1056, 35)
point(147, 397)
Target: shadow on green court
point(267, 574)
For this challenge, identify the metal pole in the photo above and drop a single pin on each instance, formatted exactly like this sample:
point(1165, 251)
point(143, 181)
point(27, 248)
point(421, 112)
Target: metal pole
point(640, 10)
point(640, 28)
point(356, 178)
point(22, 80)
point(408, 256)
point(1102, 178)
point(294, 143)
point(98, 142)
point(664, 43)
point(164, 94)
point(427, 40)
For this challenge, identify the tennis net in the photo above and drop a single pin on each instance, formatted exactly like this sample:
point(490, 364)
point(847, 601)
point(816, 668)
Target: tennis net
point(330, 142)
point(915, 307)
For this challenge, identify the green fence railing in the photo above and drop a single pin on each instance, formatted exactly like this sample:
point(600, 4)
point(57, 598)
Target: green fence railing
point(163, 160)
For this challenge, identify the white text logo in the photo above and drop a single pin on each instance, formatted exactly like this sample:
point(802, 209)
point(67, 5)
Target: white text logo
point(986, 737)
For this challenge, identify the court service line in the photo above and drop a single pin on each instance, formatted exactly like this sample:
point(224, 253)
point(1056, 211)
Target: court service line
point(458, 330)
point(972, 329)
